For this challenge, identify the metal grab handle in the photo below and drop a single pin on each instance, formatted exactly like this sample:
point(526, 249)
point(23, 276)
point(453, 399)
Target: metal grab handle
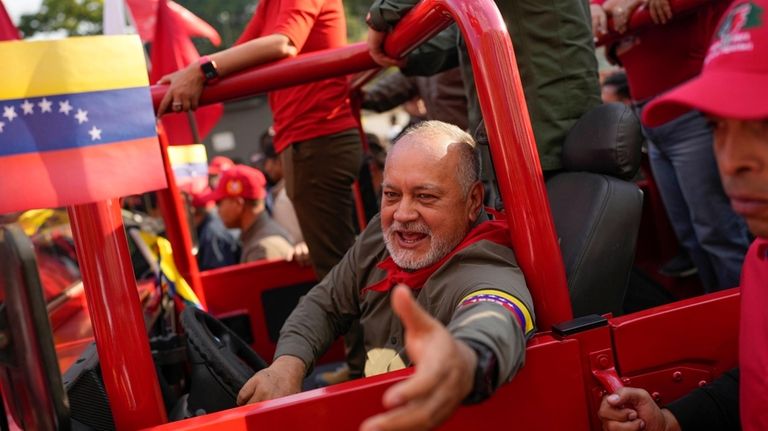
point(609, 379)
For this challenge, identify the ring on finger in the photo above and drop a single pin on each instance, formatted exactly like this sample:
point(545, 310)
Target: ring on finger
point(177, 106)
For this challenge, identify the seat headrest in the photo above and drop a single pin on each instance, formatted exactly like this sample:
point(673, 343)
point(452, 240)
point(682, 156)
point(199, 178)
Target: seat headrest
point(605, 140)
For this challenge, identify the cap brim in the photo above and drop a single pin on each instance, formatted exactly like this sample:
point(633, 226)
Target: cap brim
point(202, 199)
point(737, 95)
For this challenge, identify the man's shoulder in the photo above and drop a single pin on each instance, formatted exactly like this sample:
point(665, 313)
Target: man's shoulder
point(482, 265)
point(483, 260)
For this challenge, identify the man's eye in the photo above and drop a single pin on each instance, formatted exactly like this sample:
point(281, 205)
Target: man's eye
point(425, 197)
point(714, 123)
point(390, 195)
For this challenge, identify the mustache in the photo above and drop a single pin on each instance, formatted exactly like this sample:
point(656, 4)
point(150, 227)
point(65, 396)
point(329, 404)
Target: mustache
point(413, 227)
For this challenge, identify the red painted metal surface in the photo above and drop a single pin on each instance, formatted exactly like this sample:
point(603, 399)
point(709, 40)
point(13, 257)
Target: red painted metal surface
point(118, 326)
point(343, 407)
point(177, 225)
point(596, 355)
point(240, 288)
point(703, 328)
point(506, 119)
point(670, 349)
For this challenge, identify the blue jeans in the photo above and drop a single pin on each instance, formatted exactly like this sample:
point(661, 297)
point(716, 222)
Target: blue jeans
point(685, 170)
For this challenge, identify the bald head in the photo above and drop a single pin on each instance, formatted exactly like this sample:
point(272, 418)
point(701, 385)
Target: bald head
point(446, 145)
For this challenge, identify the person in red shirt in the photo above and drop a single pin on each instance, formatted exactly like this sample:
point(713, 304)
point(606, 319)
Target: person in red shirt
point(733, 92)
point(315, 131)
point(656, 58)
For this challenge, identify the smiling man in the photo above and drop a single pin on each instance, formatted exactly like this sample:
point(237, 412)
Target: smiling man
point(465, 314)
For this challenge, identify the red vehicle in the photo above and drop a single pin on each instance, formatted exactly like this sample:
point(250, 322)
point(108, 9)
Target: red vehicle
point(134, 381)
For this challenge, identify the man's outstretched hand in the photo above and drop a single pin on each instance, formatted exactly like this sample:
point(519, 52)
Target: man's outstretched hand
point(444, 375)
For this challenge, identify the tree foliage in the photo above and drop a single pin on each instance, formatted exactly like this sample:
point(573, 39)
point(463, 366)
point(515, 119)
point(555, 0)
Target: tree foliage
point(74, 17)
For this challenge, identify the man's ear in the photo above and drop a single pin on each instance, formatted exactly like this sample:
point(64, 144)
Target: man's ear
point(475, 200)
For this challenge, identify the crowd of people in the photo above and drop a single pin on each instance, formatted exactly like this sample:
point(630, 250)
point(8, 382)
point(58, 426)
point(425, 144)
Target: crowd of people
point(397, 286)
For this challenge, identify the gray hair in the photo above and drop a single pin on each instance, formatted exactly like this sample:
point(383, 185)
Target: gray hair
point(469, 156)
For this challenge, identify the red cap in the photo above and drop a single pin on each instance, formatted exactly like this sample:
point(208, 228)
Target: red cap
point(239, 181)
point(734, 80)
point(200, 199)
point(220, 164)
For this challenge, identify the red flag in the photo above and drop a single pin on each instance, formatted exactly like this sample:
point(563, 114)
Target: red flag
point(144, 14)
point(8, 31)
point(172, 50)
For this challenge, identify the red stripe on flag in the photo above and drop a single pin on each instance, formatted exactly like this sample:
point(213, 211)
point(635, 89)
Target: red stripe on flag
point(67, 177)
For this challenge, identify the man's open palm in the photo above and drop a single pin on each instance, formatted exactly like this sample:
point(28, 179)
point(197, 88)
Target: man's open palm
point(444, 372)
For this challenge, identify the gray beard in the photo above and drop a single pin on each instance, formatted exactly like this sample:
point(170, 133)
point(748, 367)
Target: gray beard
point(407, 259)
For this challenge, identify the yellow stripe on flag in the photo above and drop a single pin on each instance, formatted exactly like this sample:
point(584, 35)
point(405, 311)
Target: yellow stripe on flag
point(518, 303)
point(187, 154)
point(72, 65)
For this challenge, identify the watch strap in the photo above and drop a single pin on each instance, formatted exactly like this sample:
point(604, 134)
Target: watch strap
point(209, 69)
point(486, 372)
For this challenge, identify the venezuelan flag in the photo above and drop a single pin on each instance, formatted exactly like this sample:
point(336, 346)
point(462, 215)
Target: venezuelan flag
point(190, 167)
point(76, 123)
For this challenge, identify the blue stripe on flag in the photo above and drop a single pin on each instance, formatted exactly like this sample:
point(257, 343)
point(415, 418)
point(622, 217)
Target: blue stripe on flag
point(77, 120)
point(191, 170)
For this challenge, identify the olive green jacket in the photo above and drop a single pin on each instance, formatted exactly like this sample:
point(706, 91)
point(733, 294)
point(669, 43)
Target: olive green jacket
point(481, 268)
point(555, 54)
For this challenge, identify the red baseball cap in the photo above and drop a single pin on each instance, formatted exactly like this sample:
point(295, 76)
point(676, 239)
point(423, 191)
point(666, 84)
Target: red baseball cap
point(240, 181)
point(220, 164)
point(200, 199)
point(734, 80)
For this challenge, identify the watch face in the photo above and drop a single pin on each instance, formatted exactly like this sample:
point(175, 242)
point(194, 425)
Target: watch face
point(209, 70)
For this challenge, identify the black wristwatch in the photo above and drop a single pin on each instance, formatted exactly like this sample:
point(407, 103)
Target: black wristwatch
point(209, 69)
point(486, 373)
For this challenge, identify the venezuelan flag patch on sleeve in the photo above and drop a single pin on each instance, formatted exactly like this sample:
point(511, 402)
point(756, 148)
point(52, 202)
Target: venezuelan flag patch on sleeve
point(76, 123)
point(513, 305)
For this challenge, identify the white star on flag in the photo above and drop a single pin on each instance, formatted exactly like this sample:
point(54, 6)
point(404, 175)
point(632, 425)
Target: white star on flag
point(65, 107)
point(28, 107)
point(1, 126)
point(9, 112)
point(81, 116)
point(95, 133)
point(45, 105)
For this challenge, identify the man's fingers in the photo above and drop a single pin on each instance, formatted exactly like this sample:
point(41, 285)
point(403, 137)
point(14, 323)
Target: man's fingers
point(163, 107)
point(376, 49)
point(667, 9)
point(636, 425)
point(654, 14)
point(247, 391)
point(414, 318)
point(602, 24)
point(420, 384)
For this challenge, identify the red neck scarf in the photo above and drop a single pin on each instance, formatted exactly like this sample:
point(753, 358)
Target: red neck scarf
point(491, 230)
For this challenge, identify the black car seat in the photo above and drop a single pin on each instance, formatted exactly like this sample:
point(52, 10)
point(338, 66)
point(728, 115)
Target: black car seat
point(596, 208)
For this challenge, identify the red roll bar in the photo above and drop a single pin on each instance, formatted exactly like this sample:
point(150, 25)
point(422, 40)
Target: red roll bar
point(506, 118)
point(111, 290)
